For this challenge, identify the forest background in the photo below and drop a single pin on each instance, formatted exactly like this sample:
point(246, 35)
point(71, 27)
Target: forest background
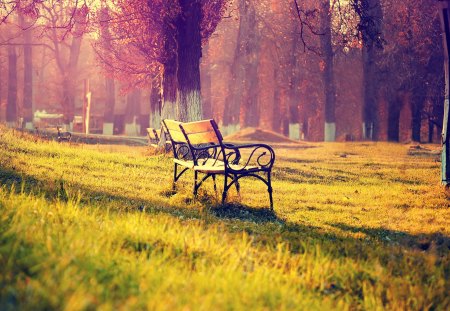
point(311, 70)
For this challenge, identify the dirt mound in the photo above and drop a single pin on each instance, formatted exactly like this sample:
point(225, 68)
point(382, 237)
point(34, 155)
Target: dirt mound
point(257, 134)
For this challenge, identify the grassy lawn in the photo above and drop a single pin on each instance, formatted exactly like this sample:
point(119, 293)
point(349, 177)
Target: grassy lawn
point(355, 226)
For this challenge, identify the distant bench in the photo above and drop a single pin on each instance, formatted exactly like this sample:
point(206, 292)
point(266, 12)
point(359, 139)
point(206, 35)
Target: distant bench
point(153, 137)
point(199, 146)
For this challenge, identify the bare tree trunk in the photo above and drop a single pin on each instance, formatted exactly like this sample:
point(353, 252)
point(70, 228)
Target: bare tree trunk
point(28, 76)
point(372, 11)
point(2, 79)
point(205, 75)
point(370, 109)
point(189, 106)
point(430, 131)
point(445, 155)
point(328, 74)
point(170, 86)
point(395, 106)
point(417, 104)
point(108, 114)
point(294, 96)
point(132, 112)
point(249, 107)
point(239, 86)
point(278, 113)
point(155, 103)
point(69, 82)
point(249, 103)
point(11, 105)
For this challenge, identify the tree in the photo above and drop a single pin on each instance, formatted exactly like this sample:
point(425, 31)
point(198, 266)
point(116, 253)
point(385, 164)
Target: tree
point(155, 103)
point(67, 65)
point(328, 72)
point(164, 38)
point(370, 30)
point(445, 167)
point(11, 106)
point(28, 73)
point(409, 62)
point(108, 116)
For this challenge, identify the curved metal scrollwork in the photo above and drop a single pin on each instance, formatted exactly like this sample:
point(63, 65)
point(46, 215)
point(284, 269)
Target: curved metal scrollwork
point(183, 152)
point(261, 157)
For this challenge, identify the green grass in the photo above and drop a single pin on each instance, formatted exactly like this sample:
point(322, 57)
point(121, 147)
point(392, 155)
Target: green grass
point(355, 226)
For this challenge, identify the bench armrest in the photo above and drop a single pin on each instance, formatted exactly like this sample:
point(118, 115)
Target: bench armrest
point(213, 152)
point(261, 157)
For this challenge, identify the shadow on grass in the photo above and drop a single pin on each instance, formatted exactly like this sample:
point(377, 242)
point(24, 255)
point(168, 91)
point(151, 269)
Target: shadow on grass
point(423, 242)
point(240, 212)
point(306, 176)
point(264, 225)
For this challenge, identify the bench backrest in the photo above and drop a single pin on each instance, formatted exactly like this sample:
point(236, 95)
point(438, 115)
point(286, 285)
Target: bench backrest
point(174, 131)
point(153, 136)
point(201, 132)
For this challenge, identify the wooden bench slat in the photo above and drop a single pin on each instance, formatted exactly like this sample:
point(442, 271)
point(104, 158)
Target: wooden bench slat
point(173, 127)
point(172, 124)
point(186, 163)
point(198, 127)
point(210, 169)
point(203, 138)
point(177, 136)
point(152, 133)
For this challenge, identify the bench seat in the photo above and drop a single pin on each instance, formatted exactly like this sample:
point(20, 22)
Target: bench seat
point(220, 168)
point(217, 165)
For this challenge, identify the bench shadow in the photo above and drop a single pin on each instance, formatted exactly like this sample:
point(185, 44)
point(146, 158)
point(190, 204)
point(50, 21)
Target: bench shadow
point(264, 225)
point(436, 242)
point(296, 175)
point(241, 212)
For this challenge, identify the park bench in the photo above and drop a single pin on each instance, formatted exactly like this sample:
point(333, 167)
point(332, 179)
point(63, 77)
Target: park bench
point(63, 136)
point(153, 137)
point(199, 146)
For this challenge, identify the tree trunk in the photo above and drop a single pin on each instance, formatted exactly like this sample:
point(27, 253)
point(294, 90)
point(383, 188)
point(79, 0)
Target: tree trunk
point(417, 104)
point(132, 113)
point(372, 10)
point(108, 114)
point(249, 104)
point(168, 109)
point(2, 79)
point(430, 131)
point(27, 76)
point(155, 103)
point(249, 108)
point(394, 109)
point(277, 111)
point(205, 75)
point(189, 106)
point(445, 155)
point(238, 87)
point(11, 105)
point(328, 74)
point(294, 97)
point(69, 82)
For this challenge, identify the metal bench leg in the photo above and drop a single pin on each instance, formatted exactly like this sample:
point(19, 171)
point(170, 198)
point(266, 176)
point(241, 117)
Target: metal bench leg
point(238, 187)
point(214, 180)
point(269, 189)
point(225, 189)
point(174, 177)
point(195, 183)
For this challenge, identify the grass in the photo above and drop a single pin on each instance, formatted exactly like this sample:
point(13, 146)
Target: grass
point(355, 226)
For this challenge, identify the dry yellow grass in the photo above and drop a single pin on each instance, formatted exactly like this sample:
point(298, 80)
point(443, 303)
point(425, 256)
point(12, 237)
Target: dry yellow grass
point(355, 226)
